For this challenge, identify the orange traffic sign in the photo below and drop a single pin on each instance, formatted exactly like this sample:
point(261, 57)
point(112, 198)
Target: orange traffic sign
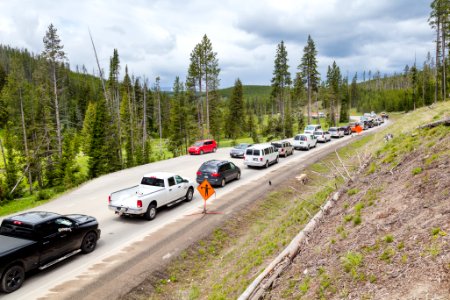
point(205, 189)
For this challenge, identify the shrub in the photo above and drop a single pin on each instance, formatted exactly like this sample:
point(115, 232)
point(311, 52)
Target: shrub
point(417, 170)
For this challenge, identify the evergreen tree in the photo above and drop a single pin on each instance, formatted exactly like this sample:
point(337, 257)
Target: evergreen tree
point(54, 53)
point(178, 126)
point(203, 72)
point(281, 81)
point(345, 102)
point(308, 69)
point(235, 120)
point(101, 159)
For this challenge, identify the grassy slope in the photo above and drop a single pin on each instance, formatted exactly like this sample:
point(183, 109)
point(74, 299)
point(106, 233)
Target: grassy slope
point(222, 265)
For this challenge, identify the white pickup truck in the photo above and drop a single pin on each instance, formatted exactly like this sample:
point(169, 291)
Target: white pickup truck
point(156, 190)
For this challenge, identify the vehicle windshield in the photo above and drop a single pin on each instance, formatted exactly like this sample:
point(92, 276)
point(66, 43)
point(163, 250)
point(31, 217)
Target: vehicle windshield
point(318, 132)
point(332, 129)
point(310, 128)
point(241, 146)
point(278, 145)
point(152, 181)
point(198, 144)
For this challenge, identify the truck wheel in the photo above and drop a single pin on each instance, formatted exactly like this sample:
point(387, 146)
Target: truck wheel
point(151, 212)
point(12, 279)
point(189, 195)
point(89, 242)
point(267, 164)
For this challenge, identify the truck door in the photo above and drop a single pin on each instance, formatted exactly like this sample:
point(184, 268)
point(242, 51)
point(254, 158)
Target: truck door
point(56, 239)
point(174, 190)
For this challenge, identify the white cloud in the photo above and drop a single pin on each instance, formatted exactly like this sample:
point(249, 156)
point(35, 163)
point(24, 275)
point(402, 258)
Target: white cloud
point(155, 38)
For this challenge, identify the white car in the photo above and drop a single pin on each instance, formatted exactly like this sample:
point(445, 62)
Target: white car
point(322, 136)
point(309, 129)
point(304, 141)
point(261, 155)
point(336, 132)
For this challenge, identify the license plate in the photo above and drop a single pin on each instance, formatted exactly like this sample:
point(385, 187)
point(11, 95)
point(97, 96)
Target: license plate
point(255, 159)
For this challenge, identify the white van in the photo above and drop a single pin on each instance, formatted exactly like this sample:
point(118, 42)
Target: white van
point(261, 155)
point(311, 128)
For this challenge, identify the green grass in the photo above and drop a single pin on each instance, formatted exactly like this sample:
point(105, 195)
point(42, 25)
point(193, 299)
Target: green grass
point(417, 171)
point(16, 205)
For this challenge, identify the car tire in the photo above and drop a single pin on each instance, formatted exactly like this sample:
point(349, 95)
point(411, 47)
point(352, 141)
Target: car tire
point(223, 182)
point(189, 195)
point(214, 150)
point(238, 176)
point(277, 160)
point(201, 152)
point(267, 164)
point(89, 242)
point(12, 279)
point(307, 148)
point(150, 214)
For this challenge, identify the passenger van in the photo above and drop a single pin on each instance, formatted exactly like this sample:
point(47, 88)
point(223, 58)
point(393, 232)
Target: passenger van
point(261, 155)
point(311, 128)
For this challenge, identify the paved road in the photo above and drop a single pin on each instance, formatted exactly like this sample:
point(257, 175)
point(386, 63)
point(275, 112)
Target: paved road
point(120, 233)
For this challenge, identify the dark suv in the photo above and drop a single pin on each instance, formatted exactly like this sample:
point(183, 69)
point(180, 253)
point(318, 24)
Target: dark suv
point(218, 172)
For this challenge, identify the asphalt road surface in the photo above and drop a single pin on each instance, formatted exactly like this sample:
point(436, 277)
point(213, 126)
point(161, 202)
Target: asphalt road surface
point(126, 242)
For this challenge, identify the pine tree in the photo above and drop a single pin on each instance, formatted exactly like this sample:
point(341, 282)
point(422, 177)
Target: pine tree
point(203, 72)
point(281, 81)
point(308, 69)
point(54, 53)
point(101, 159)
point(235, 120)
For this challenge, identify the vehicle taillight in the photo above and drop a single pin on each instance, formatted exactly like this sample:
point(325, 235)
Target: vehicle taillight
point(199, 173)
point(17, 223)
point(139, 203)
point(260, 159)
point(215, 174)
point(109, 199)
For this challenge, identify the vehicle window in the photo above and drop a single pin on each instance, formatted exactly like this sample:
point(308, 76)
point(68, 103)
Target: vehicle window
point(249, 152)
point(232, 166)
point(17, 231)
point(256, 152)
point(225, 167)
point(278, 145)
point(317, 132)
point(208, 168)
point(303, 138)
point(178, 179)
point(310, 128)
point(208, 143)
point(171, 181)
point(266, 151)
point(198, 144)
point(47, 228)
point(153, 181)
point(297, 137)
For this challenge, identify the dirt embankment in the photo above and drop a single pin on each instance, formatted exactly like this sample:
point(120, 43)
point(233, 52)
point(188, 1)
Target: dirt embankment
point(389, 236)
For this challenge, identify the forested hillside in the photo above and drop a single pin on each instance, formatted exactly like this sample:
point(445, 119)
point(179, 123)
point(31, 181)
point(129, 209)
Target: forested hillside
point(60, 125)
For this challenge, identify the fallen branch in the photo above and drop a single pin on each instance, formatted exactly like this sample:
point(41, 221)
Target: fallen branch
point(265, 280)
point(445, 122)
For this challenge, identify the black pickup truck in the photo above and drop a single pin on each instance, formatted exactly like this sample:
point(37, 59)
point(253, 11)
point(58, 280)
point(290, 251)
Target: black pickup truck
point(37, 240)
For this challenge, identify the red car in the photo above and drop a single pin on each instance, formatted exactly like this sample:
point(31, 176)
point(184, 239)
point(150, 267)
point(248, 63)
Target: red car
point(204, 146)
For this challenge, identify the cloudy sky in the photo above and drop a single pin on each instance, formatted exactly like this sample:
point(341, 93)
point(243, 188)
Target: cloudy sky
point(156, 37)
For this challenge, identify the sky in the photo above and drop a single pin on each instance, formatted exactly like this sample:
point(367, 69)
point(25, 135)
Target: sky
point(155, 38)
